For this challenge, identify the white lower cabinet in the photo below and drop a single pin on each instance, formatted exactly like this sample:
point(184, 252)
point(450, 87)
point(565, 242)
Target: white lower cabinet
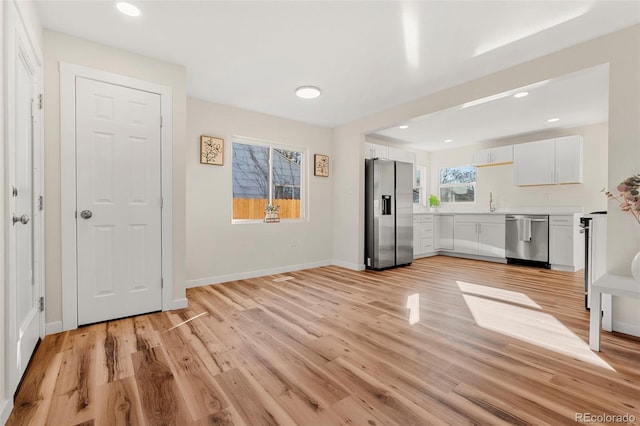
point(443, 232)
point(466, 237)
point(422, 235)
point(491, 239)
point(482, 235)
point(566, 243)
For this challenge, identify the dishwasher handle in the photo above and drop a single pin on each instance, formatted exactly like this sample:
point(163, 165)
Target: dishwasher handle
point(532, 220)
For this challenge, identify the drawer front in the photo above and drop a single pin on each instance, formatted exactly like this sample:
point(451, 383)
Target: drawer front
point(561, 220)
point(422, 218)
point(479, 218)
point(426, 245)
point(427, 232)
point(418, 218)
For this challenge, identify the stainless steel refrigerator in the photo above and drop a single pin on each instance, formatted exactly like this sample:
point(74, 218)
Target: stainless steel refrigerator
point(388, 213)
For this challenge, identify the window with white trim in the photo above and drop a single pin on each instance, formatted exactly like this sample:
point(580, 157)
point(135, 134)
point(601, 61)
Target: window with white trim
point(266, 174)
point(458, 184)
point(419, 185)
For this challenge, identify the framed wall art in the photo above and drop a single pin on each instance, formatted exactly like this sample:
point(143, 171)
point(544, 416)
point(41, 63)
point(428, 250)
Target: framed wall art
point(211, 150)
point(321, 165)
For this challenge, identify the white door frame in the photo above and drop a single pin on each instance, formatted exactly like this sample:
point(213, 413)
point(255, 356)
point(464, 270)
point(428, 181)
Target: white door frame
point(68, 75)
point(16, 28)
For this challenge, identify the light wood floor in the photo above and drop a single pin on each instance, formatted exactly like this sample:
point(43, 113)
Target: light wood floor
point(335, 347)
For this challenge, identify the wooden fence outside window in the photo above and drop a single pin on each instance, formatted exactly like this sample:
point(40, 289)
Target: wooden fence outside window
point(253, 208)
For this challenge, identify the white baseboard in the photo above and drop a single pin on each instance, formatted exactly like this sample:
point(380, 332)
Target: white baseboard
point(473, 257)
point(564, 268)
point(257, 273)
point(52, 327)
point(626, 328)
point(422, 256)
point(177, 304)
point(348, 265)
point(7, 406)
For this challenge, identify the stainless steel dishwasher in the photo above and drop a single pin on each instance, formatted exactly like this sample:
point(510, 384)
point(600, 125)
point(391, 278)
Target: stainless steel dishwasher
point(527, 239)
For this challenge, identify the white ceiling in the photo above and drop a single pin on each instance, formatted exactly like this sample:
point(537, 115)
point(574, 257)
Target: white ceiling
point(366, 56)
point(577, 99)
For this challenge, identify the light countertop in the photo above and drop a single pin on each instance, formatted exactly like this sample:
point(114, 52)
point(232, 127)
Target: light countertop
point(556, 211)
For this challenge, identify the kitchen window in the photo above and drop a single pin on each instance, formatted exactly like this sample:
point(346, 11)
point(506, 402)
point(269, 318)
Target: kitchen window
point(458, 184)
point(419, 185)
point(263, 174)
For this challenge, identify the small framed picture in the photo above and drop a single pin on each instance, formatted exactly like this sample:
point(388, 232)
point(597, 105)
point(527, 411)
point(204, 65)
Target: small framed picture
point(211, 150)
point(321, 165)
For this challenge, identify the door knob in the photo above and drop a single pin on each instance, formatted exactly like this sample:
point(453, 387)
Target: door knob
point(86, 214)
point(24, 219)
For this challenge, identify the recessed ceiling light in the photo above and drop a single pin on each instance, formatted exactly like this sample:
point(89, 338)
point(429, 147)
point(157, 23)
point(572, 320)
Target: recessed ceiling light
point(553, 120)
point(404, 126)
point(520, 94)
point(448, 140)
point(128, 9)
point(307, 92)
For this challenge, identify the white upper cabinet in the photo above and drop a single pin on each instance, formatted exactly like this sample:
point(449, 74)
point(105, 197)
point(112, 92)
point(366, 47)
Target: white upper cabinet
point(493, 156)
point(481, 158)
point(548, 162)
point(409, 157)
point(502, 155)
point(372, 150)
point(396, 154)
point(569, 159)
point(534, 163)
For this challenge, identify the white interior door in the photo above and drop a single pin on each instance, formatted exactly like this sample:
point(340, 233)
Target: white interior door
point(24, 292)
point(119, 201)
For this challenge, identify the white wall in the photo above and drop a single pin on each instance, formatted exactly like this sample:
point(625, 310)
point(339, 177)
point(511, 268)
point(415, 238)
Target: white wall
point(61, 47)
point(620, 49)
point(623, 233)
point(218, 250)
point(499, 179)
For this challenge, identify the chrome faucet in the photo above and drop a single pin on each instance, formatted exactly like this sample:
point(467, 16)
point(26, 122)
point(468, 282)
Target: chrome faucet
point(492, 208)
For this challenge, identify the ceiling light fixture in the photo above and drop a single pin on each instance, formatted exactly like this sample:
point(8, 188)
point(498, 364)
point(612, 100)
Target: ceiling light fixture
point(404, 126)
point(520, 94)
point(448, 140)
point(553, 120)
point(128, 9)
point(307, 92)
